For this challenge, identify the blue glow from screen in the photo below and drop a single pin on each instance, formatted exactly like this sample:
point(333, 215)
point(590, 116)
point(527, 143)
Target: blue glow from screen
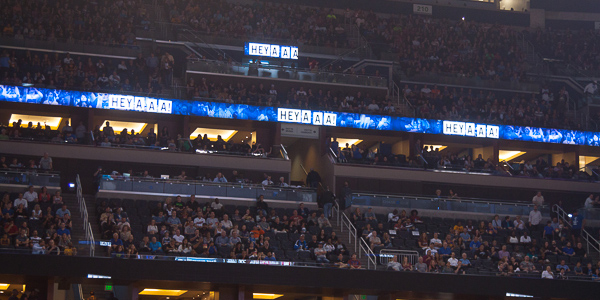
point(34, 95)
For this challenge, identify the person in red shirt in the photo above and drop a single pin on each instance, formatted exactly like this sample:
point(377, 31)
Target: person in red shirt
point(295, 218)
point(354, 263)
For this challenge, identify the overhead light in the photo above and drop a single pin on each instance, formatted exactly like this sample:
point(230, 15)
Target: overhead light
point(4, 286)
point(344, 141)
point(118, 126)
point(160, 292)
point(436, 147)
point(53, 122)
point(212, 133)
point(266, 296)
point(96, 276)
point(509, 155)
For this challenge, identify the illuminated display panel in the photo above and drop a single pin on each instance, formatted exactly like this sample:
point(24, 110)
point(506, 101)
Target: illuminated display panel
point(271, 50)
point(312, 117)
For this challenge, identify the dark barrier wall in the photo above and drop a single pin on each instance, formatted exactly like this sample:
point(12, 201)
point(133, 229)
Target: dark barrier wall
point(69, 168)
point(449, 12)
point(571, 199)
point(570, 24)
point(298, 279)
point(586, 6)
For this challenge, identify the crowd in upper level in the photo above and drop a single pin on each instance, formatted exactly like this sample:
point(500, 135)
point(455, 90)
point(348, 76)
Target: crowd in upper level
point(144, 75)
point(98, 22)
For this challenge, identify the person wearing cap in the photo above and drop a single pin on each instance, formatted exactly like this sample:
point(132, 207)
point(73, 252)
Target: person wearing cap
point(300, 244)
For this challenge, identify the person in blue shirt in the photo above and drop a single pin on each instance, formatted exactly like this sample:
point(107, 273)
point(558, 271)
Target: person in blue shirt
point(63, 230)
point(577, 224)
point(464, 263)
point(474, 245)
point(61, 212)
point(568, 250)
point(115, 242)
point(563, 265)
point(549, 231)
point(301, 244)
point(155, 246)
point(445, 251)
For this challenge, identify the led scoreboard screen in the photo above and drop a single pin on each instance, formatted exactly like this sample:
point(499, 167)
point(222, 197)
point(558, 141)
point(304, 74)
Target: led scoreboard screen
point(214, 109)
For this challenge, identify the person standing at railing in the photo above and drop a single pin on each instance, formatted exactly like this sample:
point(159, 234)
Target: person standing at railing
point(327, 199)
point(535, 217)
point(538, 199)
point(577, 226)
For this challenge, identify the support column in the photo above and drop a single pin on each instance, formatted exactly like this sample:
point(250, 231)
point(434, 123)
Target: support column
point(186, 127)
point(50, 289)
point(234, 293)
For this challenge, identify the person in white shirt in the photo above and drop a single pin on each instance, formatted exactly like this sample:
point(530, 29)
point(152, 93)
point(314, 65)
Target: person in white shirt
point(525, 239)
point(226, 223)
point(178, 237)
point(199, 220)
point(437, 243)
point(212, 220)
point(267, 181)
point(425, 90)
point(453, 260)
point(282, 182)
point(31, 195)
point(591, 88)
point(535, 217)
point(519, 224)
point(394, 264)
point(548, 274)
point(152, 228)
point(589, 202)
point(216, 205)
point(20, 200)
point(538, 199)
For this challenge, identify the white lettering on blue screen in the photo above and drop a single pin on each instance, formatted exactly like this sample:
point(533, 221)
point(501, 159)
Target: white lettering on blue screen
point(306, 117)
point(470, 129)
point(272, 50)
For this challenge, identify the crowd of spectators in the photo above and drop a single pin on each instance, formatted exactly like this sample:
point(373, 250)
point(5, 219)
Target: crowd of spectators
point(107, 137)
point(145, 75)
point(429, 157)
point(43, 164)
point(458, 48)
point(297, 24)
point(546, 109)
point(211, 229)
point(510, 246)
point(38, 222)
point(97, 22)
point(424, 44)
point(295, 97)
point(576, 47)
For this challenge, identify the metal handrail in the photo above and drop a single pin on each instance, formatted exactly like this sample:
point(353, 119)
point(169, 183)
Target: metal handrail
point(364, 247)
point(589, 239)
point(472, 200)
point(360, 245)
point(208, 183)
point(284, 153)
point(385, 254)
point(87, 227)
